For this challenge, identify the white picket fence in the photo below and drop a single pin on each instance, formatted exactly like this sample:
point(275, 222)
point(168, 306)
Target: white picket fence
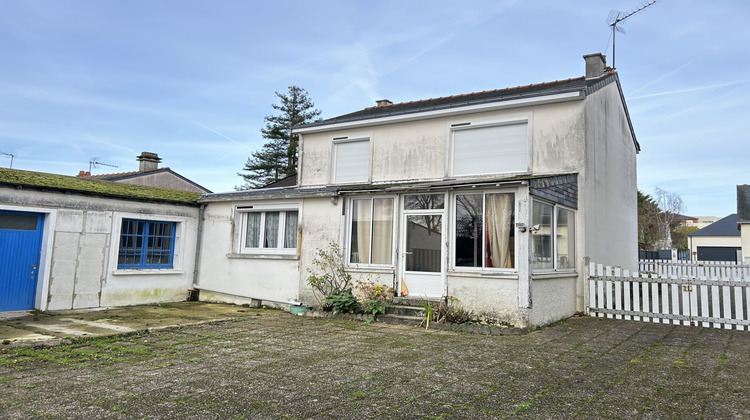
point(709, 269)
point(670, 294)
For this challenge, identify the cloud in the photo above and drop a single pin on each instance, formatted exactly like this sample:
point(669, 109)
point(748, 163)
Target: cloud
point(684, 90)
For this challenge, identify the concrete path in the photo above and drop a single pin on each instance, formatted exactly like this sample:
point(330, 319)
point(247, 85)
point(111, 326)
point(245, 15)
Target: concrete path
point(18, 327)
point(271, 365)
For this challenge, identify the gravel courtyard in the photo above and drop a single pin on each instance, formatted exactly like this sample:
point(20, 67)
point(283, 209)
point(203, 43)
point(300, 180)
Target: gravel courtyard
point(269, 364)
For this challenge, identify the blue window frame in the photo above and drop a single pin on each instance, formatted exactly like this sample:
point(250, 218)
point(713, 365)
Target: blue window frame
point(146, 244)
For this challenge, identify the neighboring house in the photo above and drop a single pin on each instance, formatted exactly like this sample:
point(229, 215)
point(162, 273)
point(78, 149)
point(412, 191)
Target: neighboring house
point(719, 241)
point(149, 174)
point(69, 243)
point(685, 220)
point(743, 218)
point(701, 221)
point(497, 198)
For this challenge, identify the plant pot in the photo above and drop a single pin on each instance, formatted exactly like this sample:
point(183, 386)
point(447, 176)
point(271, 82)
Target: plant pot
point(298, 309)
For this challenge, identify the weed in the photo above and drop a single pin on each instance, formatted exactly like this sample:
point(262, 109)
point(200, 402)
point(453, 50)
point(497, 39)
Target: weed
point(523, 407)
point(359, 395)
point(428, 315)
point(6, 342)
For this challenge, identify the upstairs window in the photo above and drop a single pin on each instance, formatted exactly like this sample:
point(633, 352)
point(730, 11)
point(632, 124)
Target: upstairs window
point(351, 160)
point(490, 149)
point(146, 244)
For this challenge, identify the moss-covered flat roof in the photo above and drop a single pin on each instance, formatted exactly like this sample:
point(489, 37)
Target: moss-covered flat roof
point(63, 183)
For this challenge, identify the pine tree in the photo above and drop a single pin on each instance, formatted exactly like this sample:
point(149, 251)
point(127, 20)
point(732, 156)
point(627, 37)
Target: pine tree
point(278, 157)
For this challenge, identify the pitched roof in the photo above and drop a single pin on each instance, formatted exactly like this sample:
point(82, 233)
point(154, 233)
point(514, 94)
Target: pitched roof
point(289, 181)
point(579, 84)
point(136, 174)
point(120, 175)
point(678, 216)
point(722, 227)
point(62, 183)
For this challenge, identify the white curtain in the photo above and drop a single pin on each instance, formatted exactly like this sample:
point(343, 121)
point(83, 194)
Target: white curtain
point(382, 231)
point(290, 229)
point(361, 219)
point(271, 239)
point(252, 234)
point(499, 209)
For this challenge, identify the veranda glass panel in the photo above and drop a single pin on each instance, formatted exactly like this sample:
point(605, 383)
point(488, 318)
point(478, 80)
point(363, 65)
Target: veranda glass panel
point(541, 235)
point(382, 231)
point(566, 234)
point(423, 243)
point(500, 234)
point(469, 228)
point(424, 202)
point(360, 231)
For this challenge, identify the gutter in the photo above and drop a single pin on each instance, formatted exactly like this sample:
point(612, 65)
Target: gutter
point(198, 243)
point(286, 302)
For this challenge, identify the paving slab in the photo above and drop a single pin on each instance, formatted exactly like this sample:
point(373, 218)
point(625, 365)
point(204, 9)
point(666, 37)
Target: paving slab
point(266, 364)
point(33, 326)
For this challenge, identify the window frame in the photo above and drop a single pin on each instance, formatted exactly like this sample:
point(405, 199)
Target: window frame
point(334, 157)
point(348, 234)
point(144, 249)
point(243, 213)
point(454, 227)
point(554, 237)
point(473, 125)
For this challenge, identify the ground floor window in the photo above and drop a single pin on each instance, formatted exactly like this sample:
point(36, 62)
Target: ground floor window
point(371, 231)
point(484, 233)
point(146, 244)
point(270, 230)
point(553, 236)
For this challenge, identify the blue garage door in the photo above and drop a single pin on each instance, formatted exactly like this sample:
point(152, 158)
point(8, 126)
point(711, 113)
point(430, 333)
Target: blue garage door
point(20, 248)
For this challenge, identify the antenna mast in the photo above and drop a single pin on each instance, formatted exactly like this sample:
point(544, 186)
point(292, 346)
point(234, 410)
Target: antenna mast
point(616, 17)
point(95, 161)
point(11, 158)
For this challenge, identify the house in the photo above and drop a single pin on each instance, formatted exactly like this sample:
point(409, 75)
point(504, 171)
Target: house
point(70, 243)
point(497, 198)
point(150, 174)
point(743, 218)
point(719, 241)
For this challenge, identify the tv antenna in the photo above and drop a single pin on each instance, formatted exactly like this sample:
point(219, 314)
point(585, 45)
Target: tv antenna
point(11, 158)
point(615, 17)
point(95, 161)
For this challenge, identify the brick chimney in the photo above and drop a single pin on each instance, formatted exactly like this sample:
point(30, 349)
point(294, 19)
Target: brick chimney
point(596, 64)
point(148, 161)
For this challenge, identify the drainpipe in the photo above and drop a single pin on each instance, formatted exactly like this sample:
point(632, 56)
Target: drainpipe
point(198, 242)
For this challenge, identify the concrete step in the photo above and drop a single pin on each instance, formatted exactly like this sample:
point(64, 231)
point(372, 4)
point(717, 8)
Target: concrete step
point(405, 310)
point(400, 319)
point(412, 301)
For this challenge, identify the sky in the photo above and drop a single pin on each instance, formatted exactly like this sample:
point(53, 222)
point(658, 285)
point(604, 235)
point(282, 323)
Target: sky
point(192, 80)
